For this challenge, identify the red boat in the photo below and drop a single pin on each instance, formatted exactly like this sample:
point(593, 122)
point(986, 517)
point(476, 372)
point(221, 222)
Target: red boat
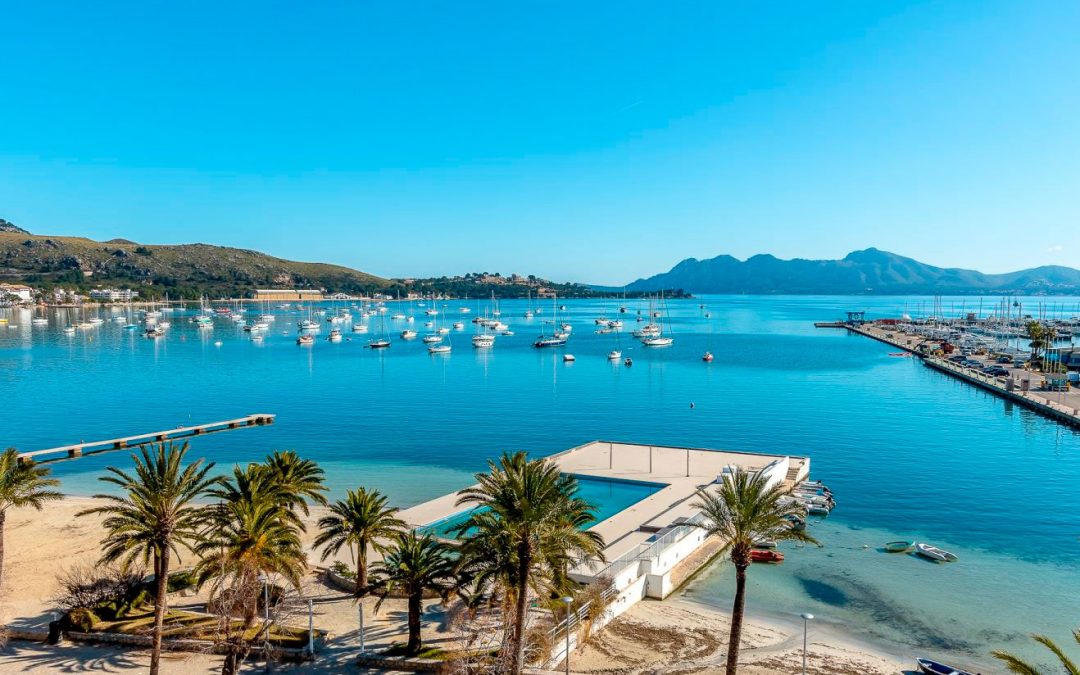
point(708, 357)
point(758, 555)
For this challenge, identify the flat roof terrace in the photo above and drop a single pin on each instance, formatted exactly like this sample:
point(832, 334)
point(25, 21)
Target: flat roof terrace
point(680, 471)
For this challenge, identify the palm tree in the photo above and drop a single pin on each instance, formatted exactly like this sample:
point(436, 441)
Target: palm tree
point(359, 520)
point(746, 508)
point(542, 518)
point(1015, 665)
point(413, 565)
point(22, 483)
point(1037, 332)
point(249, 535)
point(152, 517)
point(300, 480)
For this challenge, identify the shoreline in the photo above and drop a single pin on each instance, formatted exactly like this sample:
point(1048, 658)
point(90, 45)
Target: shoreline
point(43, 544)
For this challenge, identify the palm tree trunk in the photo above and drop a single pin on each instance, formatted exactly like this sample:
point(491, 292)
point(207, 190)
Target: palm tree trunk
point(414, 623)
point(521, 608)
point(3, 517)
point(161, 578)
point(737, 611)
point(361, 569)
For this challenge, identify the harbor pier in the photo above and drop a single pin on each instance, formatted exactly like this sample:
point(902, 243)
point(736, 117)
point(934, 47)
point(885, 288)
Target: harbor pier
point(94, 447)
point(1020, 386)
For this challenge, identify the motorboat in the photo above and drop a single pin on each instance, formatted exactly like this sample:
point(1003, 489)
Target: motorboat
point(443, 330)
point(628, 362)
point(308, 324)
point(431, 312)
point(614, 355)
point(568, 358)
point(40, 321)
point(397, 317)
point(334, 336)
point(305, 340)
point(899, 546)
point(935, 553)
point(648, 330)
point(153, 333)
point(566, 328)
point(601, 321)
point(439, 349)
point(766, 556)
point(408, 334)
point(616, 324)
point(483, 340)
point(931, 667)
point(707, 357)
point(458, 325)
point(762, 542)
point(432, 339)
point(359, 328)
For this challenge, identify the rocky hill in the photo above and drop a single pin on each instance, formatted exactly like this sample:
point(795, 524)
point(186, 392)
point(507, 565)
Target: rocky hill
point(185, 270)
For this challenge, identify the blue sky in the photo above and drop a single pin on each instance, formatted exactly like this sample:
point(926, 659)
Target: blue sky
point(590, 141)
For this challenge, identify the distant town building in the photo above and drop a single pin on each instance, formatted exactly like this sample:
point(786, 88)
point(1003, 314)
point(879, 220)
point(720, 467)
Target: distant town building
point(16, 293)
point(339, 296)
point(287, 294)
point(113, 294)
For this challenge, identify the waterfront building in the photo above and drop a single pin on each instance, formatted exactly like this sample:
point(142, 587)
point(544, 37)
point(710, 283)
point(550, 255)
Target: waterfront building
point(288, 294)
point(113, 294)
point(16, 293)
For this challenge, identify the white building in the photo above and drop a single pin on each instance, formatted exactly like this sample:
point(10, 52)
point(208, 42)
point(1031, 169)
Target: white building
point(16, 293)
point(113, 295)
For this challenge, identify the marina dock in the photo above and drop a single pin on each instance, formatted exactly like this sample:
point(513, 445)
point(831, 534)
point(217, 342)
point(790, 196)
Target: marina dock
point(94, 447)
point(1063, 406)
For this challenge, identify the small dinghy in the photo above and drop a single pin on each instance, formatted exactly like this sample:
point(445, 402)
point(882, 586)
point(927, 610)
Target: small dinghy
point(766, 556)
point(934, 553)
point(899, 546)
point(934, 668)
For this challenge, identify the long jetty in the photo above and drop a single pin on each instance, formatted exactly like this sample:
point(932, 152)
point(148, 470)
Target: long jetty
point(94, 447)
point(1057, 410)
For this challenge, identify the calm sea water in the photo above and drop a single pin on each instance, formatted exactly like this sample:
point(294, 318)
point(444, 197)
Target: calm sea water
point(909, 452)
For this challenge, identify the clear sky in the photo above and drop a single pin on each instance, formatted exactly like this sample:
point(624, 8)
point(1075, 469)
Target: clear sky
point(586, 141)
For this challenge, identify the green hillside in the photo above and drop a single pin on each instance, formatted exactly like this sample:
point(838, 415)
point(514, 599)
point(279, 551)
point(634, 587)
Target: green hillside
point(182, 271)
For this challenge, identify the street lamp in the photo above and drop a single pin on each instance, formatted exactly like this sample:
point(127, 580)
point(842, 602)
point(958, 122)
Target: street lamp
point(360, 607)
point(806, 618)
point(265, 581)
point(569, 601)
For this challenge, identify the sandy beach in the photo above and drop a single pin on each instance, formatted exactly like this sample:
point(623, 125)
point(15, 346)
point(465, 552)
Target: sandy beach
point(675, 636)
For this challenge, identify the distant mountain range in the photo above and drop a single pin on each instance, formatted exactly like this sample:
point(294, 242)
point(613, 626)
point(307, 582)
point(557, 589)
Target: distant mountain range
point(870, 271)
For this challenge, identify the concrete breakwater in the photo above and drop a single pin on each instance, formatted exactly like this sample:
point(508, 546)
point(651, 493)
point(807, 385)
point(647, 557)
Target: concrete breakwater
point(1063, 406)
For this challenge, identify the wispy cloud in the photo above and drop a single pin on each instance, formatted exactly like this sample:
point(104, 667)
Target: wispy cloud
point(1056, 248)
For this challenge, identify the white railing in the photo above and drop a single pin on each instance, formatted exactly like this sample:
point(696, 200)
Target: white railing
point(652, 550)
point(574, 620)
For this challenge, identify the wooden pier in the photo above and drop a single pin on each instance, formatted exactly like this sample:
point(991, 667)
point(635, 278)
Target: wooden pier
point(95, 447)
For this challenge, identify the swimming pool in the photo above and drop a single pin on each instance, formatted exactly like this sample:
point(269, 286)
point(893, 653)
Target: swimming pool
point(608, 497)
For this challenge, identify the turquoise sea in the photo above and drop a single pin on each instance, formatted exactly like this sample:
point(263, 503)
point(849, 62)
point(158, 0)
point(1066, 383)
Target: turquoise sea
point(909, 452)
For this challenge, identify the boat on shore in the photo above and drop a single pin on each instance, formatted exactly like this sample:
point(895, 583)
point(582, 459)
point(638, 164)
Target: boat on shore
point(935, 553)
point(899, 546)
point(931, 667)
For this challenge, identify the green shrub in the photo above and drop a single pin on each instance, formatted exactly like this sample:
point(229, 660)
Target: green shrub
point(80, 619)
point(179, 581)
point(344, 570)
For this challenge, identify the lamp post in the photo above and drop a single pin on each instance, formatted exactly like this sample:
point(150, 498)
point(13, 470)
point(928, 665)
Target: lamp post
point(806, 618)
point(360, 608)
point(569, 601)
point(265, 580)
